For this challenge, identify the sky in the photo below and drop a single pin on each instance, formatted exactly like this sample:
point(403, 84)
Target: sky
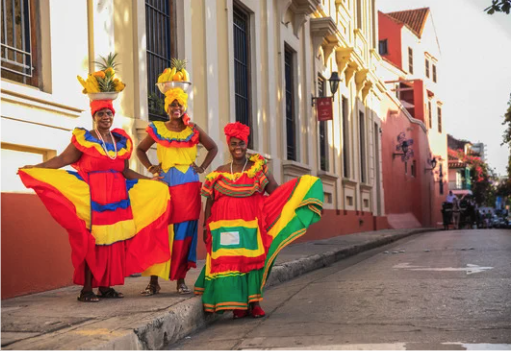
point(476, 70)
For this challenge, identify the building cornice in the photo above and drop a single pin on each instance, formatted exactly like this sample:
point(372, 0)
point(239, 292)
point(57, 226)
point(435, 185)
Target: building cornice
point(302, 9)
point(324, 33)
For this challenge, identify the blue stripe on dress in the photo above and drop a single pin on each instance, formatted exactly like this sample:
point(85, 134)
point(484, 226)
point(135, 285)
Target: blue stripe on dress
point(130, 183)
point(176, 177)
point(160, 137)
point(185, 230)
point(124, 204)
point(76, 174)
point(121, 144)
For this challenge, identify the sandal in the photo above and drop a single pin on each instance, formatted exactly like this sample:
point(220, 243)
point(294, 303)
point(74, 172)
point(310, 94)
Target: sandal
point(110, 293)
point(258, 312)
point(151, 290)
point(87, 296)
point(183, 289)
point(237, 314)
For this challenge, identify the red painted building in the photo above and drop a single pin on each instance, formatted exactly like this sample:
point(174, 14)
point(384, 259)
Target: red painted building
point(412, 112)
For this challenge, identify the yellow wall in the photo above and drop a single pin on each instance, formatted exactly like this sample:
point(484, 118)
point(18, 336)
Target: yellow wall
point(42, 118)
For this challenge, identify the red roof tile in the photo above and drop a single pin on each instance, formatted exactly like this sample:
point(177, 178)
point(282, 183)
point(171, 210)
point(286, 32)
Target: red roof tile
point(413, 19)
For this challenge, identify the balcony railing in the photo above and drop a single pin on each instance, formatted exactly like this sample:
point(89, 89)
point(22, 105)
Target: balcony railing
point(459, 186)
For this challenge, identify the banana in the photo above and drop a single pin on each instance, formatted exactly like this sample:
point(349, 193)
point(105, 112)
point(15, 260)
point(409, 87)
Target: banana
point(92, 84)
point(186, 76)
point(161, 77)
point(171, 74)
point(82, 82)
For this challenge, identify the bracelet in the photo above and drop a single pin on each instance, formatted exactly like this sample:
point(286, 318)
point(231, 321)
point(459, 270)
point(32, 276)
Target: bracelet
point(151, 166)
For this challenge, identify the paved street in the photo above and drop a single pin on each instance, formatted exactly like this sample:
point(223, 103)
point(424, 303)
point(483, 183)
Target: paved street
point(439, 290)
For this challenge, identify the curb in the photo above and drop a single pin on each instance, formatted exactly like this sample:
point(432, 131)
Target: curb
point(165, 328)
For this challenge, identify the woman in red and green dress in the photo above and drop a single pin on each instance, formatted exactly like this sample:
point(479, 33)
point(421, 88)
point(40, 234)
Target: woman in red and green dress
point(116, 218)
point(176, 146)
point(245, 230)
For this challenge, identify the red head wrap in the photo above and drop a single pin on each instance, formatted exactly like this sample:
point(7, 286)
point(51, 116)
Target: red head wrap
point(96, 105)
point(237, 130)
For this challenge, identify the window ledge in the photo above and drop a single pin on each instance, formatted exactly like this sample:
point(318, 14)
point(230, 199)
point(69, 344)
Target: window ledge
point(327, 176)
point(366, 187)
point(36, 98)
point(295, 169)
point(347, 181)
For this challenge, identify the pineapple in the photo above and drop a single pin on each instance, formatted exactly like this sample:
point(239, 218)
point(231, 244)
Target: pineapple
point(106, 84)
point(178, 64)
point(180, 74)
point(108, 62)
point(103, 81)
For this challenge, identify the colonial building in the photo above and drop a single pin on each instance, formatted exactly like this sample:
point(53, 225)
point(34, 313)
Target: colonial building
point(412, 119)
point(261, 62)
point(459, 169)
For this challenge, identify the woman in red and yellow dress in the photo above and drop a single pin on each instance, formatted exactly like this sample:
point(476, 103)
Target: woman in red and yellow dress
point(244, 230)
point(176, 145)
point(116, 218)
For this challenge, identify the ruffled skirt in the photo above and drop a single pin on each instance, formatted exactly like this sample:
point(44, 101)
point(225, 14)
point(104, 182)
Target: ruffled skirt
point(288, 212)
point(116, 227)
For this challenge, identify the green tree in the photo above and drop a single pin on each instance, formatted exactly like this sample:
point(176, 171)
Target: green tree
point(482, 179)
point(499, 6)
point(506, 137)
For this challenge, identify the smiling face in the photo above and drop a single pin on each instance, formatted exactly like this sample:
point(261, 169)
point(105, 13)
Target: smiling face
point(175, 110)
point(237, 148)
point(103, 118)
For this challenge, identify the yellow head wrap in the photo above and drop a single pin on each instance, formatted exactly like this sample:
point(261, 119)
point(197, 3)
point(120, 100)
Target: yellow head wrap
point(176, 94)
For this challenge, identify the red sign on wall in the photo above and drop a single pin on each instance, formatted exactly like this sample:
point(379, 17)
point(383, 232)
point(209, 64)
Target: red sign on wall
point(324, 108)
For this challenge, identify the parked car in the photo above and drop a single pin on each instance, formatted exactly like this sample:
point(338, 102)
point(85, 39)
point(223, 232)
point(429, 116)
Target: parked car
point(499, 222)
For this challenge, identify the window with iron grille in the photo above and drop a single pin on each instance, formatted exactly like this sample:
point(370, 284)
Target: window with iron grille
point(427, 68)
point(362, 147)
point(439, 113)
point(290, 101)
point(434, 73)
point(323, 140)
point(410, 60)
point(161, 47)
point(430, 115)
point(19, 41)
point(382, 47)
point(242, 81)
point(345, 137)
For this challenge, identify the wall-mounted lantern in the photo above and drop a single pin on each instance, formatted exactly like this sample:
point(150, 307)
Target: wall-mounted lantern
point(404, 145)
point(433, 163)
point(334, 85)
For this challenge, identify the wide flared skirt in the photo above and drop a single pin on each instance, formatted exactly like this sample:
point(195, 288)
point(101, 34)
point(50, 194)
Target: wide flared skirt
point(184, 188)
point(134, 245)
point(288, 212)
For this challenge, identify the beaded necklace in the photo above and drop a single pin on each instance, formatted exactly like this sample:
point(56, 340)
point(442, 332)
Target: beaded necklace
point(243, 170)
point(104, 144)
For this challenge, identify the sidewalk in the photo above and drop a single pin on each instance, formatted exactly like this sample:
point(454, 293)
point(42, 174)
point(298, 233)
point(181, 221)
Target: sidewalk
point(55, 320)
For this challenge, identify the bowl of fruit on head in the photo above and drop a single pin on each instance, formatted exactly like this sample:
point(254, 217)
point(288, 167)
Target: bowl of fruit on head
point(103, 84)
point(175, 76)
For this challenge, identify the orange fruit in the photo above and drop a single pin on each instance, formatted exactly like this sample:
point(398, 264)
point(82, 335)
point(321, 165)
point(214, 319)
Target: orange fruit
point(178, 77)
